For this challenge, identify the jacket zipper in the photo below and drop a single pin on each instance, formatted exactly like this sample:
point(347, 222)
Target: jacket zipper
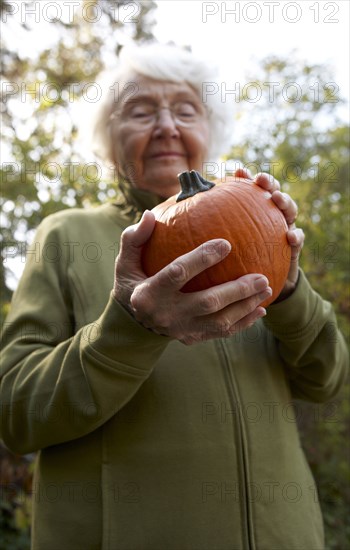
point(242, 452)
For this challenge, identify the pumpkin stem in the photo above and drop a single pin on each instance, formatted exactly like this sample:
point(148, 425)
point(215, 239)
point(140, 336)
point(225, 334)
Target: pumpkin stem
point(191, 184)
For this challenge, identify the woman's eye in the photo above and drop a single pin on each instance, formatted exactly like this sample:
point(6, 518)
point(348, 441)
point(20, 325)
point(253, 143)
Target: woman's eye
point(141, 112)
point(186, 110)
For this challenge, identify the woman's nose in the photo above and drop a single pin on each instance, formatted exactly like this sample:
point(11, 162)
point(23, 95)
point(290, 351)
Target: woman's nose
point(165, 123)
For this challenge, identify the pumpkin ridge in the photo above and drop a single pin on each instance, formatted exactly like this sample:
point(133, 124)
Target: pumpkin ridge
point(195, 230)
point(235, 256)
point(268, 264)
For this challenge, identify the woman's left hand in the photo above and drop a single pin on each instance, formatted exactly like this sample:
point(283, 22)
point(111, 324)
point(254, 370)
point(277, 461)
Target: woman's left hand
point(295, 235)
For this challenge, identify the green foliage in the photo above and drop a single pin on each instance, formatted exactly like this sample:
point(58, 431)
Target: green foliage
point(15, 500)
point(307, 150)
point(45, 171)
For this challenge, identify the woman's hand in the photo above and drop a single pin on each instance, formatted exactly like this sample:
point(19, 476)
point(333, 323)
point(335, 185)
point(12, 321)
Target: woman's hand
point(158, 303)
point(289, 209)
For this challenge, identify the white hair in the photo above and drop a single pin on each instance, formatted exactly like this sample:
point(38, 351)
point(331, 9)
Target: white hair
point(160, 62)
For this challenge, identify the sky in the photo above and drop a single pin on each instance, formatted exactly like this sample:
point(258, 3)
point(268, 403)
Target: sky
point(236, 33)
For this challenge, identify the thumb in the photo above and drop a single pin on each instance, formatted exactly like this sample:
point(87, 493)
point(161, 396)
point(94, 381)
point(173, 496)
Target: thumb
point(135, 236)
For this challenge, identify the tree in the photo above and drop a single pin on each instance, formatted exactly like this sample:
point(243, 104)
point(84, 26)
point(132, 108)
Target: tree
point(45, 171)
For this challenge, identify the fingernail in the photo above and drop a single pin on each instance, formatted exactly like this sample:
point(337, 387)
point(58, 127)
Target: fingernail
point(212, 250)
point(143, 215)
point(222, 248)
point(140, 220)
point(266, 293)
point(261, 312)
point(261, 283)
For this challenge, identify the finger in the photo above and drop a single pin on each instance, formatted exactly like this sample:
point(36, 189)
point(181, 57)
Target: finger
point(243, 173)
point(296, 240)
point(135, 236)
point(175, 275)
point(223, 328)
point(267, 182)
point(234, 313)
point(197, 307)
point(216, 298)
point(210, 330)
point(286, 204)
point(249, 320)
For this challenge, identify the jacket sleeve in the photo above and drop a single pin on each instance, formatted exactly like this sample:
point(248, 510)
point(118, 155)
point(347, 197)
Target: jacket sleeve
point(310, 343)
point(58, 383)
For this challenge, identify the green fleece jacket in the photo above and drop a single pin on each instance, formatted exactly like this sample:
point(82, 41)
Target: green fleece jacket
point(145, 443)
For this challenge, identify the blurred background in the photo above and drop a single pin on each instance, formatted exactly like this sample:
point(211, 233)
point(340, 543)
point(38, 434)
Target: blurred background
point(285, 67)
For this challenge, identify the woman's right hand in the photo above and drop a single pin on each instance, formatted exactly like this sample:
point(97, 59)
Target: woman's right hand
point(158, 303)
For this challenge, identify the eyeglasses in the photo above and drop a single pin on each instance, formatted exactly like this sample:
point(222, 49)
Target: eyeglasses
point(144, 115)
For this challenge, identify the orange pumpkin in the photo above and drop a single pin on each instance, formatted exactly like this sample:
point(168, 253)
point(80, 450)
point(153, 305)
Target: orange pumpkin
point(234, 209)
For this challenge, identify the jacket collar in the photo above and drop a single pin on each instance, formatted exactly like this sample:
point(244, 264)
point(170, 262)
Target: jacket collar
point(133, 202)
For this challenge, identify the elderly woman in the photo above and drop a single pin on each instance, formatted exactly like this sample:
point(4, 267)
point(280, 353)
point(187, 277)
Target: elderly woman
point(146, 442)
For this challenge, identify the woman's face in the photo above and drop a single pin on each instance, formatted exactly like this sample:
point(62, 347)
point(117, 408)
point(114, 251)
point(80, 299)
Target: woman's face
point(150, 147)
